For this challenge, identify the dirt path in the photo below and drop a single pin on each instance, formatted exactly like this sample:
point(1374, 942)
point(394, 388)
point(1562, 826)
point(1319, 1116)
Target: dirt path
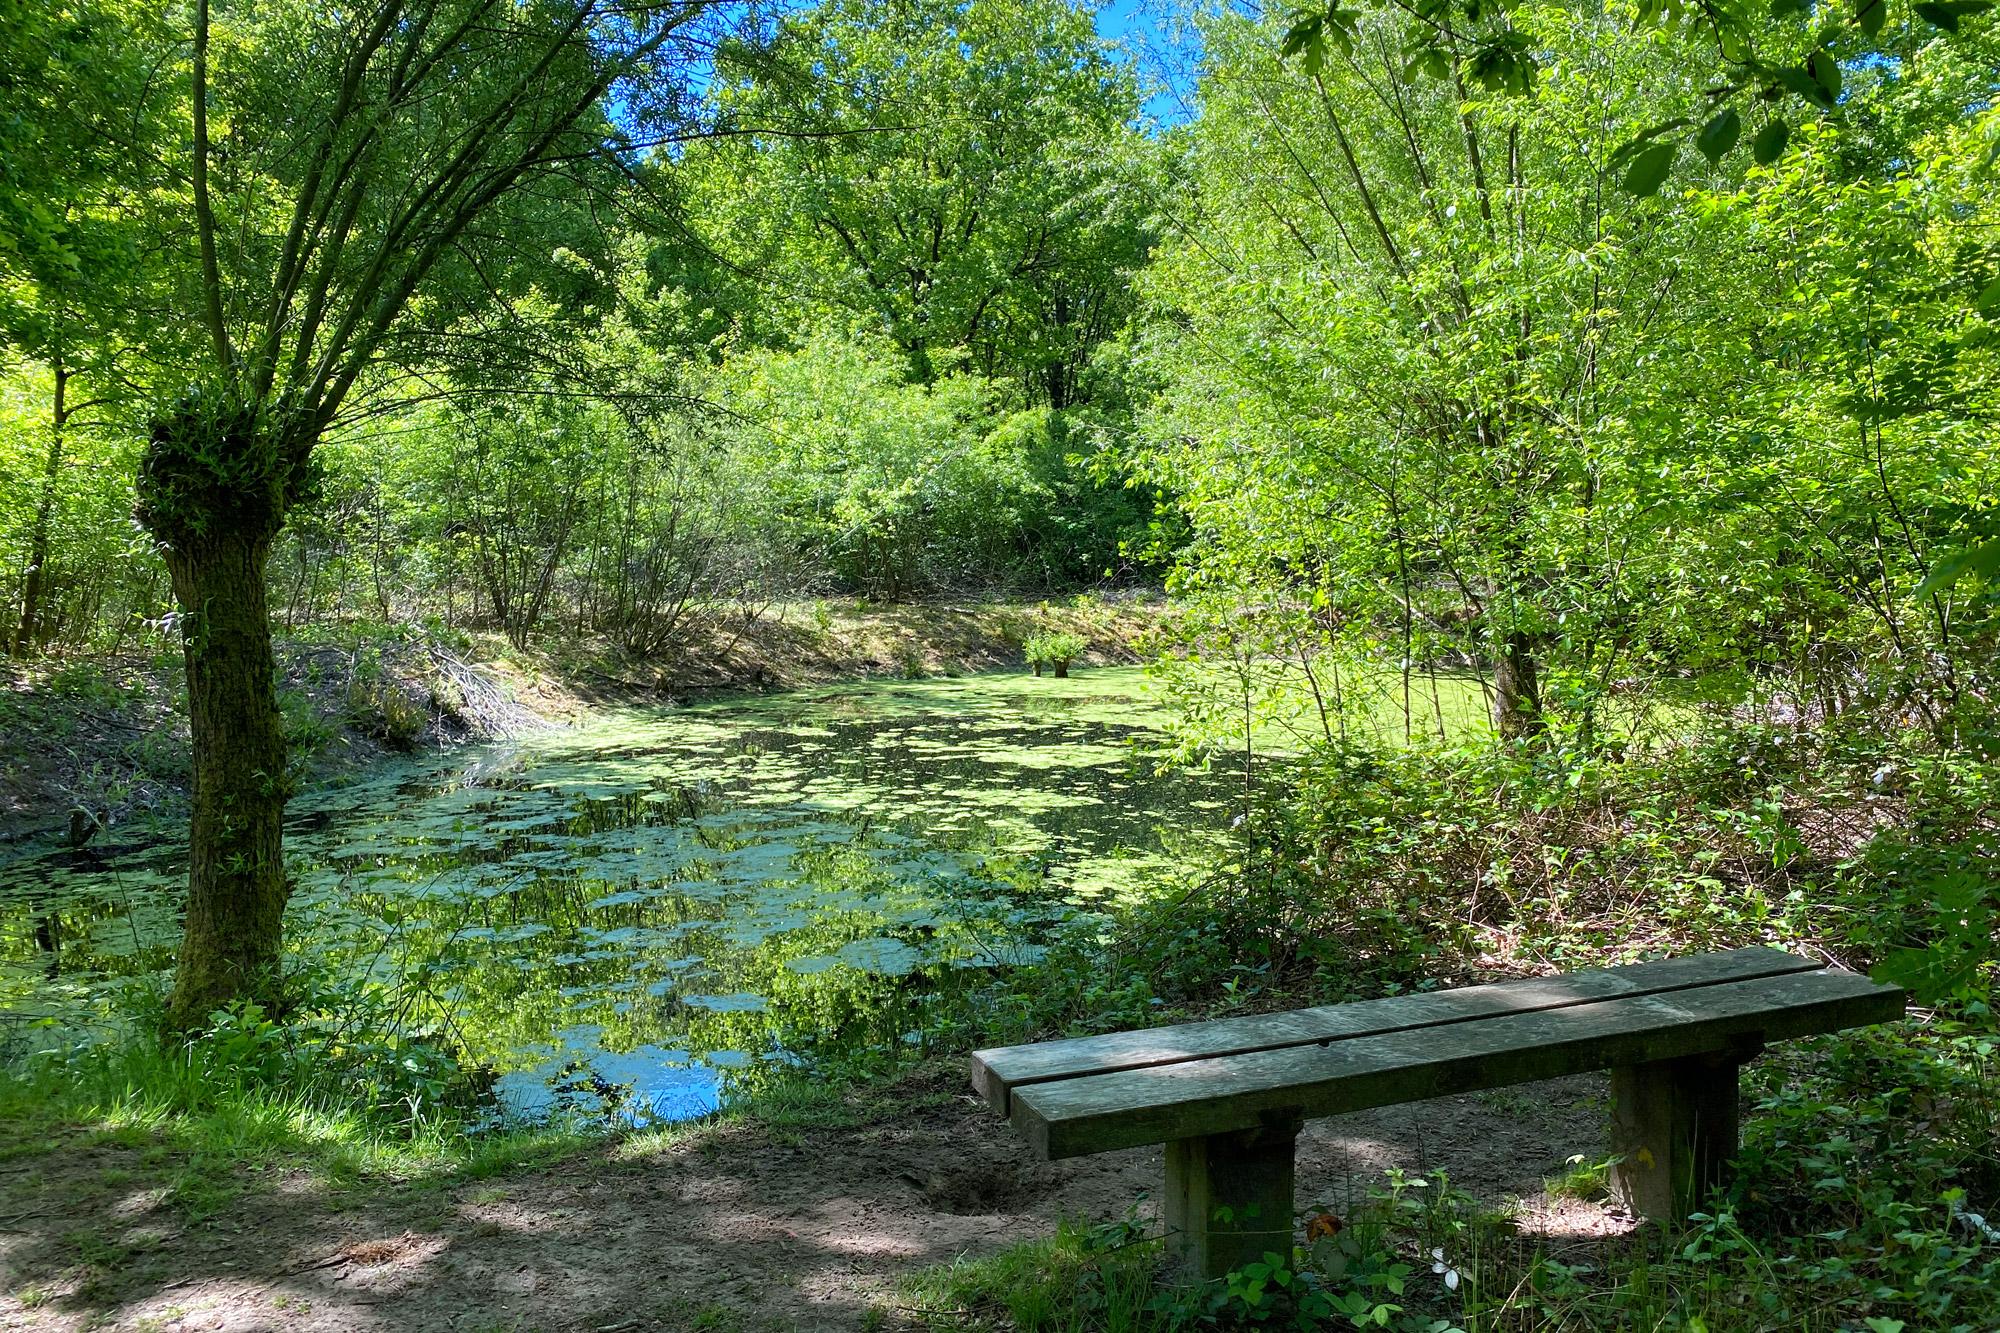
point(737, 1227)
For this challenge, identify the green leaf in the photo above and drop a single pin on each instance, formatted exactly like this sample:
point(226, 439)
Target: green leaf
point(1648, 171)
point(1932, 974)
point(1826, 72)
point(1784, 9)
point(1989, 299)
point(1982, 560)
point(1802, 82)
point(1946, 13)
point(1428, 61)
point(1504, 64)
point(1307, 37)
point(1719, 135)
point(1769, 145)
point(1869, 14)
point(1631, 147)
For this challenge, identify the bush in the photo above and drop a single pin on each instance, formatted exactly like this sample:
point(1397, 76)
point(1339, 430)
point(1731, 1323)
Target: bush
point(1056, 650)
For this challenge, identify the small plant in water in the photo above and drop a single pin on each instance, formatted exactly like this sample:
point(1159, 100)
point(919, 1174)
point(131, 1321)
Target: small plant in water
point(1054, 650)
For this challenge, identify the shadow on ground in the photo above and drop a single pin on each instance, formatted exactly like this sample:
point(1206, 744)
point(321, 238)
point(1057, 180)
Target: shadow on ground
point(736, 1227)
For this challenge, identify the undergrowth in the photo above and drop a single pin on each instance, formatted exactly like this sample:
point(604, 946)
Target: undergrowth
point(1868, 1192)
point(1847, 1214)
point(338, 1085)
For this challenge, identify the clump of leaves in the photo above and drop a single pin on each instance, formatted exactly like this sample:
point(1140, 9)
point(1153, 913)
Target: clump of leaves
point(1056, 650)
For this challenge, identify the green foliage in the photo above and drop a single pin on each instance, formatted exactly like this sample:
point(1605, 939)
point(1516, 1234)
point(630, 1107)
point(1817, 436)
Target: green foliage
point(1415, 1255)
point(896, 488)
point(1748, 52)
point(100, 582)
point(1559, 554)
point(604, 470)
point(948, 231)
point(1084, 1279)
point(342, 1048)
point(1000, 124)
point(1056, 649)
point(1858, 1176)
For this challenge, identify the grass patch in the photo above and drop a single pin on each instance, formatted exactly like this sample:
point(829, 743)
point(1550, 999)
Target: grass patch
point(797, 1103)
point(1581, 1179)
point(209, 1140)
point(1083, 1279)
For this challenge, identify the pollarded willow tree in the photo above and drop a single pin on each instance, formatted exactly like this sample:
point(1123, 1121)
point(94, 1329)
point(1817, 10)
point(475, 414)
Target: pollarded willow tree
point(351, 175)
point(1418, 347)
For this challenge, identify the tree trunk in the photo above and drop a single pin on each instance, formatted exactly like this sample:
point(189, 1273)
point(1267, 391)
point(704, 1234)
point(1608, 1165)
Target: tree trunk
point(28, 638)
point(236, 865)
point(215, 483)
point(1517, 699)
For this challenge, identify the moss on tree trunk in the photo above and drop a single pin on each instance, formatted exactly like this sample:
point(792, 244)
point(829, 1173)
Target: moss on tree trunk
point(214, 487)
point(1517, 695)
point(236, 864)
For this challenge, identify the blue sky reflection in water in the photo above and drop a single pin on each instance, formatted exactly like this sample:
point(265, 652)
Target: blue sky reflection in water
point(625, 918)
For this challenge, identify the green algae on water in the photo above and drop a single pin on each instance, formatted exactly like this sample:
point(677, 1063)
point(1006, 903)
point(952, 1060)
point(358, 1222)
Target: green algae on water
point(629, 914)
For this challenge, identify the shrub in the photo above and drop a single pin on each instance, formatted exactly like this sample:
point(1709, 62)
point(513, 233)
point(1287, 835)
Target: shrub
point(1056, 650)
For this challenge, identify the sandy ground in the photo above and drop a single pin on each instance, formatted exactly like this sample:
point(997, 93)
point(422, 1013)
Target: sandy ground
point(742, 1227)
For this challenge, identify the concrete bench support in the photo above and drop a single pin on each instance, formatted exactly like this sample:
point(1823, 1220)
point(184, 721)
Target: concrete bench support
point(1674, 1129)
point(1229, 1196)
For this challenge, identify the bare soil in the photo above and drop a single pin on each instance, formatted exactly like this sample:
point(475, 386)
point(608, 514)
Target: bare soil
point(788, 645)
point(735, 1226)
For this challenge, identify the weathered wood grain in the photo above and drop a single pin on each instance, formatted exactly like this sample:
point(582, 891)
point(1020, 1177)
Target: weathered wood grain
point(1229, 1198)
point(995, 1072)
point(1192, 1098)
point(1673, 1132)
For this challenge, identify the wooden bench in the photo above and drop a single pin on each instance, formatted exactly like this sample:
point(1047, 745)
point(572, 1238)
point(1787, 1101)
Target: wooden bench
point(1229, 1097)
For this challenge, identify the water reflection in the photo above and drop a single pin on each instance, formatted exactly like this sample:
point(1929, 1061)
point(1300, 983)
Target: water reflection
point(639, 911)
point(642, 1086)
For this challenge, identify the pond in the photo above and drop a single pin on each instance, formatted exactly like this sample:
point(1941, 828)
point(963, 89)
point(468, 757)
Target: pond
point(625, 917)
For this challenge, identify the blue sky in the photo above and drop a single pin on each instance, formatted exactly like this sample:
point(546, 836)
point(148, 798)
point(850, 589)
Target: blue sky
point(1120, 15)
point(1141, 25)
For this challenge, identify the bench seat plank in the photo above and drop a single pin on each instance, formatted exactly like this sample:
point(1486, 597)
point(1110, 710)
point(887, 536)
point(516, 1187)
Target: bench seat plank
point(996, 1072)
point(1192, 1098)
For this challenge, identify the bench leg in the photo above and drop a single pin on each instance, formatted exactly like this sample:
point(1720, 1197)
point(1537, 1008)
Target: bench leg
point(1229, 1197)
point(1674, 1124)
